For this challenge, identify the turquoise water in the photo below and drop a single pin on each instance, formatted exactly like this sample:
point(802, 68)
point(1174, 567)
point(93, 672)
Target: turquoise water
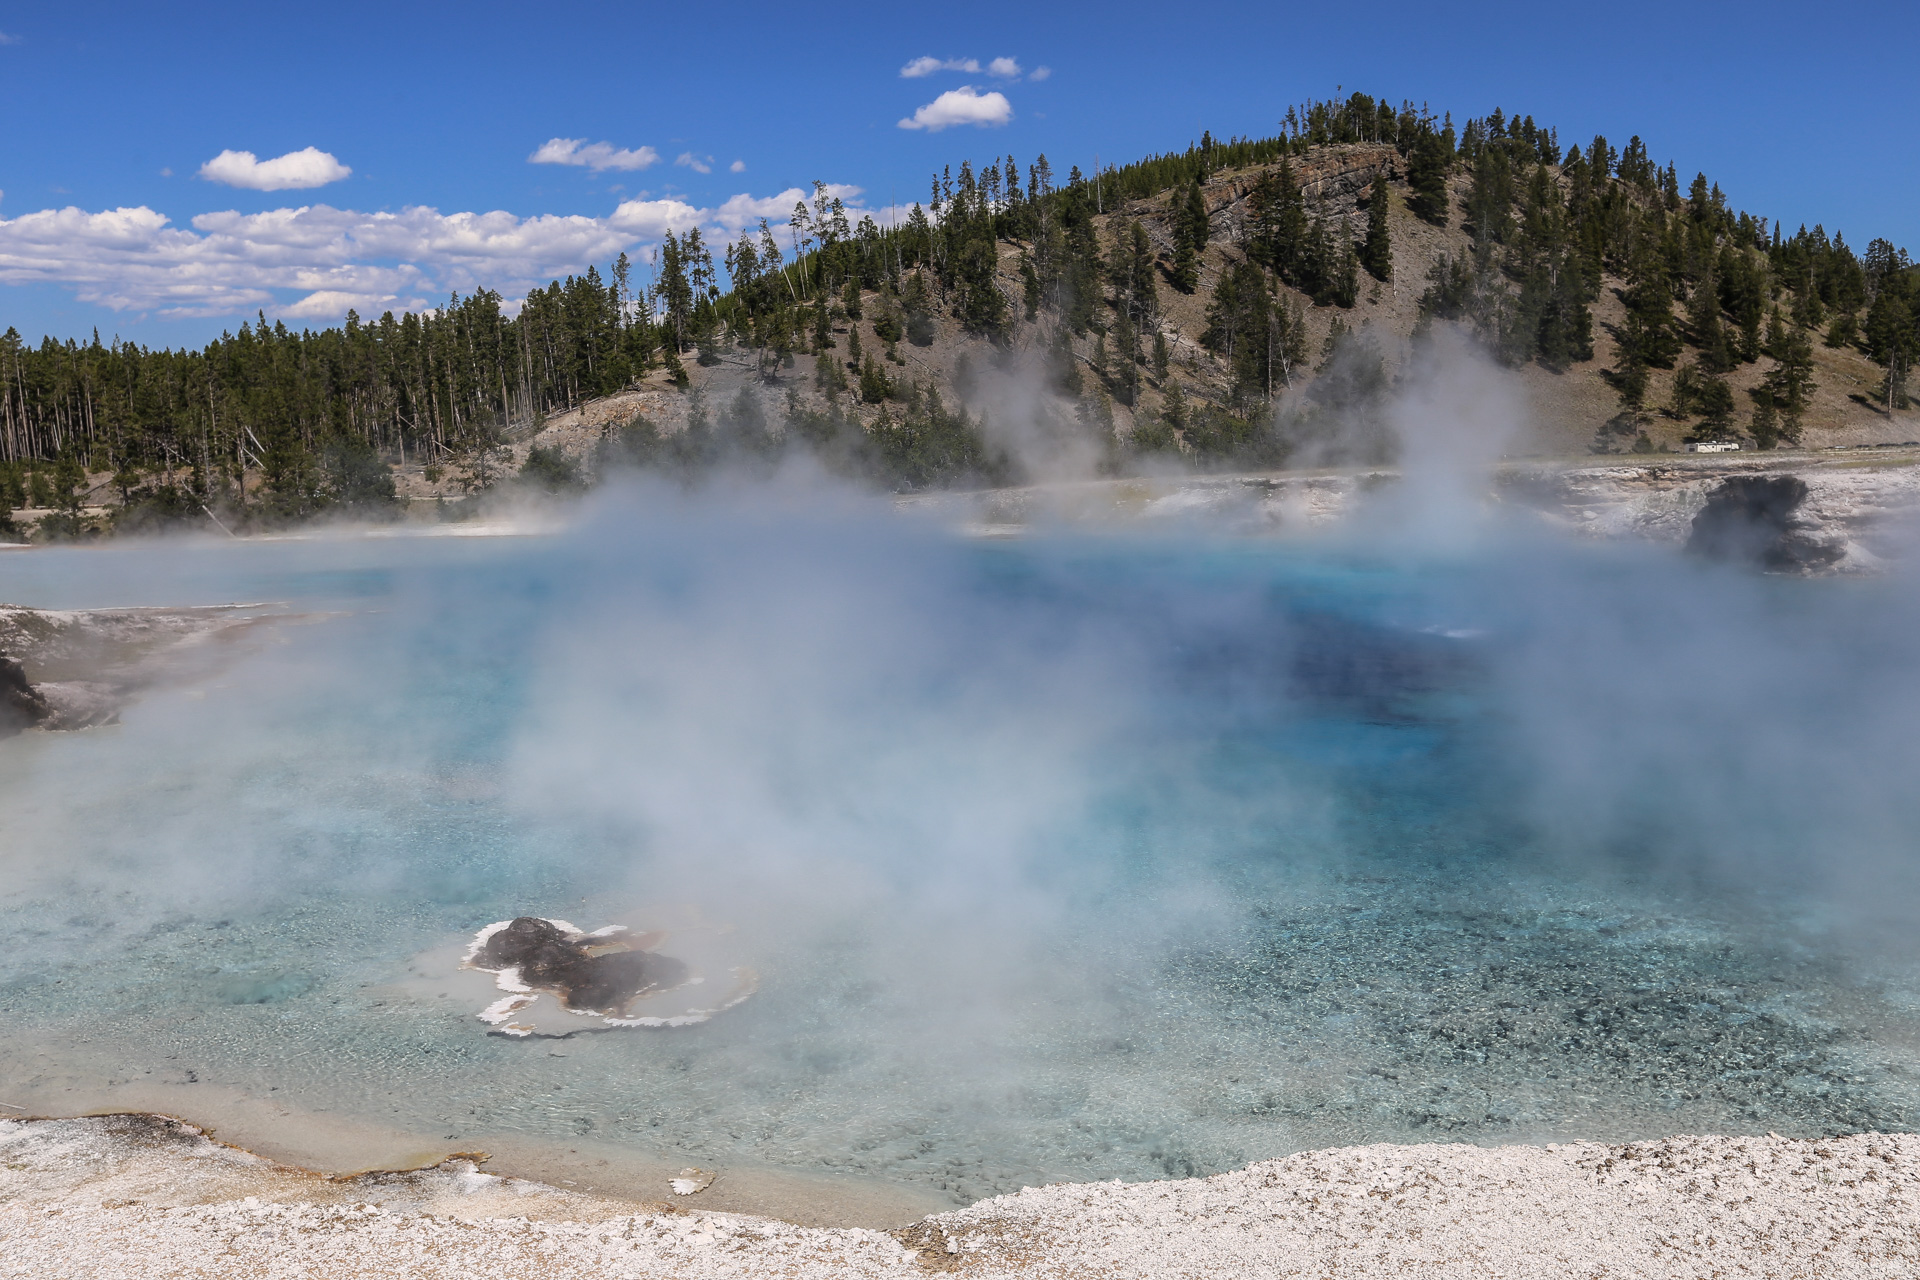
point(1063, 858)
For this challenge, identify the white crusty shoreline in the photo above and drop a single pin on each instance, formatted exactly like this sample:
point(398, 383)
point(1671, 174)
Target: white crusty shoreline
point(139, 1196)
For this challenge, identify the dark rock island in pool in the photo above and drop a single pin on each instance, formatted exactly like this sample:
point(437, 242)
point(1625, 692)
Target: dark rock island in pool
point(613, 974)
point(591, 973)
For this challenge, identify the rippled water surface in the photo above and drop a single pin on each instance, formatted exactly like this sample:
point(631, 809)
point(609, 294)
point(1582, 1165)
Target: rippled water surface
point(1059, 859)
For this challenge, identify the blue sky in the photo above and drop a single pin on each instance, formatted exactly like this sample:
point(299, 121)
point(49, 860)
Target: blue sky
point(437, 108)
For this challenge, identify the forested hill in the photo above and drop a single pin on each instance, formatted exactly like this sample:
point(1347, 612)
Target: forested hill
point(1240, 304)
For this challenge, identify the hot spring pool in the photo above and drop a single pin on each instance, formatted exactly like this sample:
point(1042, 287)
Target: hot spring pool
point(1059, 859)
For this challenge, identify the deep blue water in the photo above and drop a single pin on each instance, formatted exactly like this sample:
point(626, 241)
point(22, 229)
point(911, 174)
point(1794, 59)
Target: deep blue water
point(1060, 858)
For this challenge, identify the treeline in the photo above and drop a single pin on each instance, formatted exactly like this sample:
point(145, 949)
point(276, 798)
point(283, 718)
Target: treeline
point(309, 416)
point(270, 423)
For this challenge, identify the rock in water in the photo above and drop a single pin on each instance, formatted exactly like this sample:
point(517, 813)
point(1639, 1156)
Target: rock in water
point(1750, 519)
point(589, 973)
point(21, 705)
point(613, 974)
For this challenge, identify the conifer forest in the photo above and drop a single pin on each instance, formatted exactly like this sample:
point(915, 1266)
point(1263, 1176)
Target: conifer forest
point(1577, 260)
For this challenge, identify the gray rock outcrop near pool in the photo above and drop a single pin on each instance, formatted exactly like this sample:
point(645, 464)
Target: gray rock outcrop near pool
point(21, 705)
point(1754, 520)
point(76, 668)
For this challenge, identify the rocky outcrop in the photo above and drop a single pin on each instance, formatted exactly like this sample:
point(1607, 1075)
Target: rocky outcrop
point(1752, 520)
point(1333, 179)
point(76, 668)
point(21, 705)
point(1830, 513)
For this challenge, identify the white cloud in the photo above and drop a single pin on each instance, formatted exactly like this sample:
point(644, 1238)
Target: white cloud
point(1004, 68)
point(927, 66)
point(7, 39)
point(694, 162)
point(651, 219)
point(742, 211)
point(964, 105)
point(597, 156)
point(1040, 73)
point(296, 170)
point(738, 166)
point(315, 261)
point(332, 304)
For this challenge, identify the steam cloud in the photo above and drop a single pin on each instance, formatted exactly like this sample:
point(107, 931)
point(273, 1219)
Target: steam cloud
point(968, 790)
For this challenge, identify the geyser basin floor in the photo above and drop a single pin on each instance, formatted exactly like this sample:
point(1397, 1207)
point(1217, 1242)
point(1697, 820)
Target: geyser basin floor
point(127, 1197)
point(1059, 861)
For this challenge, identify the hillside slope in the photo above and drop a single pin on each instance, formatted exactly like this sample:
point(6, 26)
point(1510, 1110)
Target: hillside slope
point(1008, 379)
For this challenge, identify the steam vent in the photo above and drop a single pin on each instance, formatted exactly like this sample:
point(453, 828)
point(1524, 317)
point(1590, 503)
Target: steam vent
point(556, 974)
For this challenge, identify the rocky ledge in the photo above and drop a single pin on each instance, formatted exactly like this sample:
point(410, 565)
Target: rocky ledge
point(1843, 512)
point(63, 669)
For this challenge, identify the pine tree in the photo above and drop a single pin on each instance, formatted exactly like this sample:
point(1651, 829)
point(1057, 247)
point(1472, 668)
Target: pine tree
point(1225, 312)
point(1565, 333)
point(1703, 318)
point(1698, 391)
point(1130, 270)
point(1791, 379)
point(1125, 354)
point(1190, 238)
point(676, 291)
point(1343, 289)
point(875, 386)
point(1891, 342)
point(1427, 169)
point(1174, 407)
point(1764, 427)
point(1279, 231)
point(1648, 336)
point(915, 301)
point(1376, 251)
point(827, 377)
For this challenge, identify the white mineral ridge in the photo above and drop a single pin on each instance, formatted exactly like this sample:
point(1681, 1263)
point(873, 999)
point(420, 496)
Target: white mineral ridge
point(1856, 503)
point(107, 1197)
